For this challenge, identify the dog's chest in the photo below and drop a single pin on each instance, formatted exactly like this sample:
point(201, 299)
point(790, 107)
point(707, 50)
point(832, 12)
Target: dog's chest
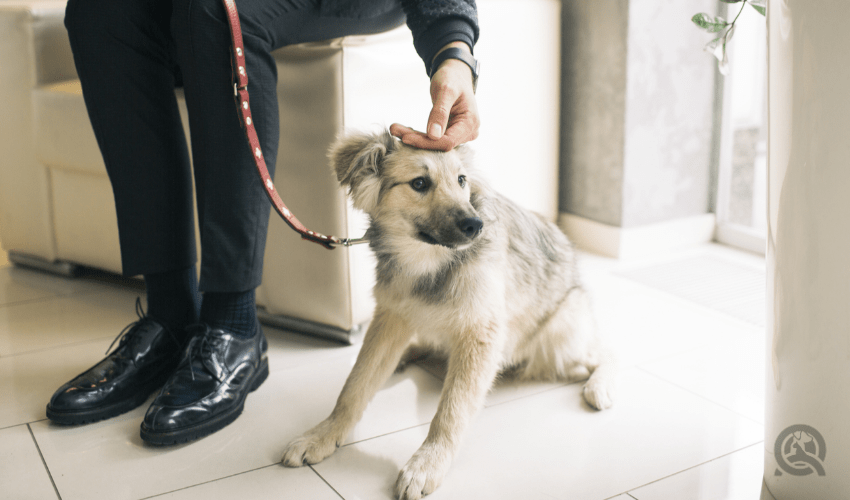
point(439, 305)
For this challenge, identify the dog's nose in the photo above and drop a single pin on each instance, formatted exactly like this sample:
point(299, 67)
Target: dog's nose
point(470, 226)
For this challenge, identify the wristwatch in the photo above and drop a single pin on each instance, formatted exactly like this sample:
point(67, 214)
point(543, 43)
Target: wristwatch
point(459, 54)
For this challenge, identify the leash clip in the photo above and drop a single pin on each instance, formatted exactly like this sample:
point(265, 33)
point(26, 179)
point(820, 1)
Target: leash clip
point(347, 242)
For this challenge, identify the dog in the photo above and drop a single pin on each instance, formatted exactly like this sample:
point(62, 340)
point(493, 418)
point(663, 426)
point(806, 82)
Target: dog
point(464, 271)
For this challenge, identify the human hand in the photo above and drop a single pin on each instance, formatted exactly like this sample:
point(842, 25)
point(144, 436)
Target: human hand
point(454, 116)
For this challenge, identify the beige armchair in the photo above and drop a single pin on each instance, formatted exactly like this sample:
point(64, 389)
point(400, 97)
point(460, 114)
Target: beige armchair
point(56, 207)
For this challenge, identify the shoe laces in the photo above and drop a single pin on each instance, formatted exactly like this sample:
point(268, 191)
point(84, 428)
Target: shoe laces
point(203, 344)
point(129, 331)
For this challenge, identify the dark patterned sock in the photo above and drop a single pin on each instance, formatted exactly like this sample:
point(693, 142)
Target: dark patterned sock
point(173, 298)
point(234, 312)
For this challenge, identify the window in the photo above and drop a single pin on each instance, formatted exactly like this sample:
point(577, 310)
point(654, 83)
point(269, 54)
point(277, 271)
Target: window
point(742, 170)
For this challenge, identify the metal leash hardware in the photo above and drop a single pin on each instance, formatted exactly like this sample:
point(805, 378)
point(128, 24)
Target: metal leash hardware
point(240, 93)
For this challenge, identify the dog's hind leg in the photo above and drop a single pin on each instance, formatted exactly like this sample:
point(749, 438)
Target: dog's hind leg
point(568, 348)
point(473, 364)
point(383, 345)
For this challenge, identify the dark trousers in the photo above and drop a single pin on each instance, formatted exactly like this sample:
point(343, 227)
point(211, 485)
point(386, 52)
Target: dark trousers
point(130, 55)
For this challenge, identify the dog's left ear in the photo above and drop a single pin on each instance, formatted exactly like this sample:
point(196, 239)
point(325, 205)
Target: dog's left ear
point(467, 155)
point(357, 161)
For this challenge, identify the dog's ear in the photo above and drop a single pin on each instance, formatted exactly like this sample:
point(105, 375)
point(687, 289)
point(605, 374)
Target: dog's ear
point(358, 160)
point(467, 155)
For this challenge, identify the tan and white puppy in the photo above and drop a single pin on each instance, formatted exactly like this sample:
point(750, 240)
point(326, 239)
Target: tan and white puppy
point(464, 271)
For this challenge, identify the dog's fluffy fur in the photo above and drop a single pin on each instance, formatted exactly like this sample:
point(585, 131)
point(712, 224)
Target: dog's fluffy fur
point(465, 271)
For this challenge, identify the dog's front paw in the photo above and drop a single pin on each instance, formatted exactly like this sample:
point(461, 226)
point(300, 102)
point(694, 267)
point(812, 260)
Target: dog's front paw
point(423, 473)
point(314, 446)
point(598, 394)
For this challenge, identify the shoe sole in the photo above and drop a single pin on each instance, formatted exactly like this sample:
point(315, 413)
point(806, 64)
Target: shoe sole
point(79, 417)
point(208, 427)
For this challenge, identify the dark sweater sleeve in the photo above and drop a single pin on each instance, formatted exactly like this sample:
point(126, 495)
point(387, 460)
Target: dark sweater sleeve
point(435, 23)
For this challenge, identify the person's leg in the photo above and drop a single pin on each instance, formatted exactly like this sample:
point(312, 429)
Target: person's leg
point(227, 356)
point(122, 51)
point(232, 206)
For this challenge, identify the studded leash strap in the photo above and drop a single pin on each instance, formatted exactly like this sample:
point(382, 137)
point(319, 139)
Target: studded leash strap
point(240, 93)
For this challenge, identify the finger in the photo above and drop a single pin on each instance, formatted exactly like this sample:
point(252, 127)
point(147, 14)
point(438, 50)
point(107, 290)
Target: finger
point(399, 130)
point(418, 139)
point(438, 119)
point(422, 141)
point(461, 130)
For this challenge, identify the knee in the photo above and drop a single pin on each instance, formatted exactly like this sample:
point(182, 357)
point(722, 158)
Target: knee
point(204, 23)
point(200, 14)
point(91, 16)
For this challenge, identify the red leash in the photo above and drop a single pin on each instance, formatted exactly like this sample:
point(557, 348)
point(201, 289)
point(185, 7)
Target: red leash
point(240, 93)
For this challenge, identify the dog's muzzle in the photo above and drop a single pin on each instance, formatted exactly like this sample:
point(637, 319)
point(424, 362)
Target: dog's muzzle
point(457, 233)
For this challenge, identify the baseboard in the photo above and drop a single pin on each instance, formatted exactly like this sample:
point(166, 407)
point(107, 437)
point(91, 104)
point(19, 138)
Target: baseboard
point(56, 267)
point(636, 242)
point(347, 337)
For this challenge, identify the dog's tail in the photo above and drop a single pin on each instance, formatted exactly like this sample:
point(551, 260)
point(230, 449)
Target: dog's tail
point(600, 388)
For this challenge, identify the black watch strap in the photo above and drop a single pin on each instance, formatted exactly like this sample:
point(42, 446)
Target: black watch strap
point(462, 55)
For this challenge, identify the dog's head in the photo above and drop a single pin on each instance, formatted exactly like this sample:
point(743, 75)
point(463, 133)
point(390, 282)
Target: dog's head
point(422, 196)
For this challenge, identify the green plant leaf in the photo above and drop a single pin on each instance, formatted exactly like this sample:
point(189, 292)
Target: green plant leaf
point(731, 1)
point(717, 48)
point(759, 5)
point(760, 10)
point(709, 23)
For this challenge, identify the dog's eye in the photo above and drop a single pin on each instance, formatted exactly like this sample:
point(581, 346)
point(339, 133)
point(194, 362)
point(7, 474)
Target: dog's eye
point(420, 184)
point(461, 180)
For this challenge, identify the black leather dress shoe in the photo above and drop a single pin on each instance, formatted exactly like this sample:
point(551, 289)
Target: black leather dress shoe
point(146, 356)
point(208, 390)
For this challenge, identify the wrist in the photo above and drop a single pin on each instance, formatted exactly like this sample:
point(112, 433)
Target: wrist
point(451, 45)
point(457, 54)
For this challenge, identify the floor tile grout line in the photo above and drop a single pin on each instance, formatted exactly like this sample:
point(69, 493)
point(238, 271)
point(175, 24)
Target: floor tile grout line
point(658, 377)
point(558, 386)
point(238, 474)
point(44, 462)
point(22, 423)
point(386, 434)
point(429, 422)
point(689, 468)
point(48, 298)
point(61, 346)
point(210, 481)
point(325, 481)
point(524, 396)
point(29, 301)
point(618, 495)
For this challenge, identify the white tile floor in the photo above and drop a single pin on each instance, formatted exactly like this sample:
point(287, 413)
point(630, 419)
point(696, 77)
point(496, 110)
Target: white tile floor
point(687, 424)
